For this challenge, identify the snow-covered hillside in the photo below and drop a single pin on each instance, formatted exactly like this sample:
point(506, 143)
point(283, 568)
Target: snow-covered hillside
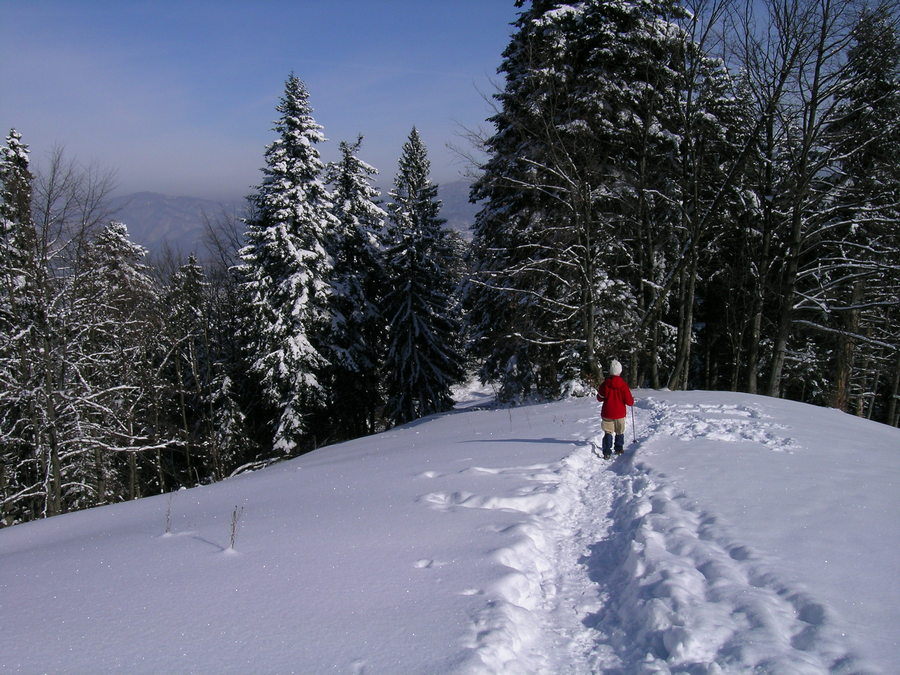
point(738, 534)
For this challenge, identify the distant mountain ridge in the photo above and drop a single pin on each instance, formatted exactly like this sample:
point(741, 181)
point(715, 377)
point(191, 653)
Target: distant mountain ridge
point(155, 220)
point(456, 208)
point(158, 221)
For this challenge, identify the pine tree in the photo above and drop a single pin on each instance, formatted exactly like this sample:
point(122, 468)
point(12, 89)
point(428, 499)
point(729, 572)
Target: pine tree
point(286, 270)
point(239, 437)
point(423, 358)
point(213, 427)
point(115, 349)
point(74, 360)
point(15, 223)
point(536, 287)
point(29, 475)
point(356, 343)
point(35, 394)
point(186, 337)
point(230, 441)
point(606, 174)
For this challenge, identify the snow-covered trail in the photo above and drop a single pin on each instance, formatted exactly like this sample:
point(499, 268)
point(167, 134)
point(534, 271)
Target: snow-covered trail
point(614, 570)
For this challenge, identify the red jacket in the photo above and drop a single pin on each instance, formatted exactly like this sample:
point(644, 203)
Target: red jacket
point(615, 395)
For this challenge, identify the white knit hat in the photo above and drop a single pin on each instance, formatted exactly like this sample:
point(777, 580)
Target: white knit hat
point(615, 368)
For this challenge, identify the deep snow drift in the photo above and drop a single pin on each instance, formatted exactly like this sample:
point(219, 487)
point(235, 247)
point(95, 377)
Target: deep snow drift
point(738, 534)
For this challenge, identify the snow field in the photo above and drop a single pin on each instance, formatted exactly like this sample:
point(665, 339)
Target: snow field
point(734, 536)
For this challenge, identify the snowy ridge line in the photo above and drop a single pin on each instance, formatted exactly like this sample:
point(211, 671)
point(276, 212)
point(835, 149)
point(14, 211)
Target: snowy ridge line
point(683, 597)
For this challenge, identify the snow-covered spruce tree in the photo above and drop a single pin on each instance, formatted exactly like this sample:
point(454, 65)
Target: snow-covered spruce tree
point(199, 399)
point(30, 481)
point(212, 421)
point(285, 274)
point(611, 118)
point(46, 395)
point(355, 344)
point(233, 389)
point(510, 299)
point(423, 358)
point(188, 373)
point(115, 351)
point(538, 285)
point(38, 399)
point(637, 66)
point(15, 190)
point(230, 441)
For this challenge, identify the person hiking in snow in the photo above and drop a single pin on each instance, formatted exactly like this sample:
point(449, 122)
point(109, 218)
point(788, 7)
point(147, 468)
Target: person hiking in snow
point(615, 395)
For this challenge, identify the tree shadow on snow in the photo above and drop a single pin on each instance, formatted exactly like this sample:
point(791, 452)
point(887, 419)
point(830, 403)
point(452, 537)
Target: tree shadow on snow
point(524, 440)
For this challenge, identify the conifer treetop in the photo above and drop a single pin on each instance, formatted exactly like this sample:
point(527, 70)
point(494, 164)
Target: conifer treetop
point(292, 189)
point(15, 179)
point(415, 204)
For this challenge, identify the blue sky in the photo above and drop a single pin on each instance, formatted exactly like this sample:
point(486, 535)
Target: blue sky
point(178, 96)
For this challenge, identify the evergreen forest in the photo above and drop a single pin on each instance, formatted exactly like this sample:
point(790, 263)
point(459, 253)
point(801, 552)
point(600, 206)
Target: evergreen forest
point(707, 191)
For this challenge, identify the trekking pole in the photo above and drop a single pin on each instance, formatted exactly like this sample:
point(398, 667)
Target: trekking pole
point(633, 434)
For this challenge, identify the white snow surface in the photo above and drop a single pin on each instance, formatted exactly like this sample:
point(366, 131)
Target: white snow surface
point(738, 534)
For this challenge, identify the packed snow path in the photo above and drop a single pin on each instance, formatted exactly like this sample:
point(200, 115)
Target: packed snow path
point(614, 571)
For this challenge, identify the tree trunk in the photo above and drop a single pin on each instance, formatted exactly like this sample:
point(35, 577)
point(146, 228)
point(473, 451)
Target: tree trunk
point(765, 263)
point(892, 417)
point(587, 280)
point(185, 427)
point(844, 351)
point(866, 386)
point(654, 357)
point(49, 434)
point(101, 477)
point(674, 380)
point(735, 371)
point(679, 376)
point(753, 350)
point(132, 477)
point(788, 289)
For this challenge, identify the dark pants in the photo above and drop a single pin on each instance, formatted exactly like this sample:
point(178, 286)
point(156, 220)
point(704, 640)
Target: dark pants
point(608, 442)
